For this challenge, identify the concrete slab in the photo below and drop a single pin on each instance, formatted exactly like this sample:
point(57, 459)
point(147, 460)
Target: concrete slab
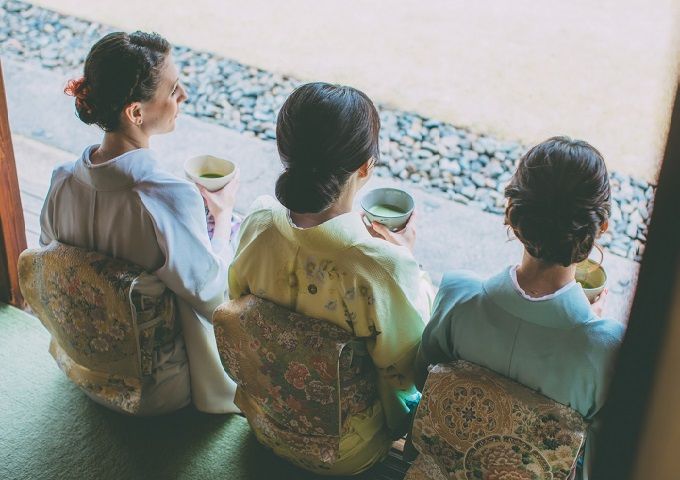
point(450, 235)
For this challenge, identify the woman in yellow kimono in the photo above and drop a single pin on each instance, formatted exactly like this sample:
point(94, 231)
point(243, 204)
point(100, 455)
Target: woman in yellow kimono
point(312, 254)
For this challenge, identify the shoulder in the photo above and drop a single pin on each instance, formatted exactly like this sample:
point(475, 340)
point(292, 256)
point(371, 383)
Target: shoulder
point(601, 336)
point(263, 203)
point(458, 290)
point(156, 179)
point(592, 348)
point(62, 172)
point(460, 285)
point(378, 254)
point(262, 209)
point(149, 176)
point(260, 214)
point(172, 203)
point(160, 188)
point(259, 220)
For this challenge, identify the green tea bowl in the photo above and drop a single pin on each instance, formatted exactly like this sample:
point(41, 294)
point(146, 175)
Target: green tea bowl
point(211, 172)
point(389, 206)
point(592, 277)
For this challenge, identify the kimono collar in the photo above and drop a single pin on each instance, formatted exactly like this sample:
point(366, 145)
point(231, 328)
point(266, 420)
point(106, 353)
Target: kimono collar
point(566, 310)
point(338, 233)
point(119, 172)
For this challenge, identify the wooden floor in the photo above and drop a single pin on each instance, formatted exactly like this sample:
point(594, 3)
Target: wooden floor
point(32, 197)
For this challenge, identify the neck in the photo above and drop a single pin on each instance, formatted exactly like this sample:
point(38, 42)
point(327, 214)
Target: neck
point(117, 143)
point(538, 278)
point(341, 206)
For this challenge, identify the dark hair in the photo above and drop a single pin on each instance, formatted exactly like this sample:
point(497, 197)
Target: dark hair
point(120, 69)
point(324, 133)
point(558, 199)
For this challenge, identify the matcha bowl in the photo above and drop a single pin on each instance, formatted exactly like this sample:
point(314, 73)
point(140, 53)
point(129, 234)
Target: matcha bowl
point(592, 277)
point(389, 206)
point(211, 172)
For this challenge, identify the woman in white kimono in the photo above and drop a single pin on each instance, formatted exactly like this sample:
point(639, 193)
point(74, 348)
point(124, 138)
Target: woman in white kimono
point(116, 200)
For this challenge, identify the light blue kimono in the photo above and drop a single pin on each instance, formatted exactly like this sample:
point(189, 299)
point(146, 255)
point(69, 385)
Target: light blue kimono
point(556, 346)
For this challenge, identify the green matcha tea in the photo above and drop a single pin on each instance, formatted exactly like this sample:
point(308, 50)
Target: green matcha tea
point(587, 285)
point(386, 210)
point(212, 175)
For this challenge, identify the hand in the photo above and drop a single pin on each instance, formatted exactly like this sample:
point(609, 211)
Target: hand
point(221, 203)
point(599, 302)
point(406, 237)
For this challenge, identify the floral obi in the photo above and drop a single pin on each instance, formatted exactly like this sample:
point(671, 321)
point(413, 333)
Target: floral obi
point(306, 376)
point(106, 318)
point(473, 423)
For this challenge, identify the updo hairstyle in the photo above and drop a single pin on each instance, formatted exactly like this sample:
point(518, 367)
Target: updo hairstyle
point(558, 200)
point(324, 133)
point(120, 69)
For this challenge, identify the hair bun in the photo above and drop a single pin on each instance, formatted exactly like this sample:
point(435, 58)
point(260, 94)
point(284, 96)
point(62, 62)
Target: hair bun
point(78, 88)
point(558, 199)
point(120, 69)
point(324, 133)
point(304, 191)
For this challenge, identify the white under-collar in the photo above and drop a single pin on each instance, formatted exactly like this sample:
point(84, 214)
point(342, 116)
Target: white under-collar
point(550, 296)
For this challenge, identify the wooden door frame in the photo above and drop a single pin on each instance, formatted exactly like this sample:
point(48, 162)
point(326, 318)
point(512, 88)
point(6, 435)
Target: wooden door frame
point(12, 226)
point(626, 417)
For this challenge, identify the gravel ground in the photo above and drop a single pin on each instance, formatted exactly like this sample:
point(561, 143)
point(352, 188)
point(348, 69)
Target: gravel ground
point(465, 166)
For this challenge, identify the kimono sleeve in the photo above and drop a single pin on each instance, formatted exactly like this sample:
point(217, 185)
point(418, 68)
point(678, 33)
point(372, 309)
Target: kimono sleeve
point(437, 345)
point(397, 304)
point(191, 269)
point(258, 219)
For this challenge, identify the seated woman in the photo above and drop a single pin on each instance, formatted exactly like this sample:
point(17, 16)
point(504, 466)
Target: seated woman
point(314, 255)
point(533, 322)
point(116, 200)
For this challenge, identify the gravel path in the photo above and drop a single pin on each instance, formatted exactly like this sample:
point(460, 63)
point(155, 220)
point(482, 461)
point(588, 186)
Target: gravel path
point(465, 166)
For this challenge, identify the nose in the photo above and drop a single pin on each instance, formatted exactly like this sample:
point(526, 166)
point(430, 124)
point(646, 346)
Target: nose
point(182, 94)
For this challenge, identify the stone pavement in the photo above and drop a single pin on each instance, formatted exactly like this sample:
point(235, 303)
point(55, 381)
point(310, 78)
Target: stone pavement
point(450, 235)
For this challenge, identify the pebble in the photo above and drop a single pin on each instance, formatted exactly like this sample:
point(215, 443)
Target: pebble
point(452, 167)
point(478, 179)
point(467, 167)
point(469, 191)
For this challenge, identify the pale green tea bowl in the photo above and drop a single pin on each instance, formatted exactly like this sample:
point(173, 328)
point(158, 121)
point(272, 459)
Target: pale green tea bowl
point(211, 172)
point(592, 277)
point(389, 206)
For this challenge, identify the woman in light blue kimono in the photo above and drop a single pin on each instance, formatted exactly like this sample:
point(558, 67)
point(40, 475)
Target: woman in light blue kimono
point(116, 200)
point(532, 322)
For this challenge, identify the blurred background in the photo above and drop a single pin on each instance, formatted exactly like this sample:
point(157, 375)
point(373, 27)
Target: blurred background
point(463, 88)
point(523, 70)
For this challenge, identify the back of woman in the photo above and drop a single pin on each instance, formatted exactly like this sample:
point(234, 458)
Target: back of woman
point(116, 200)
point(532, 322)
point(312, 254)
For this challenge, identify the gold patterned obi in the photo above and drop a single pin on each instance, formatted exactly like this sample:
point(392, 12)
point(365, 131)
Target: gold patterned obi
point(473, 423)
point(106, 318)
point(299, 379)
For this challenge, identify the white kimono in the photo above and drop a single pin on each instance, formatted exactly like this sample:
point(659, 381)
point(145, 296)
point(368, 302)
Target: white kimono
point(128, 208)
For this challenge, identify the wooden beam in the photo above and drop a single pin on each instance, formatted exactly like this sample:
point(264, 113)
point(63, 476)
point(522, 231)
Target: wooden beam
point(631, 410)
point(12, 228)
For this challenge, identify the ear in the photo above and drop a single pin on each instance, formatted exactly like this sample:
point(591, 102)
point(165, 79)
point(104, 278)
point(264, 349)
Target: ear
point(365, 169)
point(133, 113)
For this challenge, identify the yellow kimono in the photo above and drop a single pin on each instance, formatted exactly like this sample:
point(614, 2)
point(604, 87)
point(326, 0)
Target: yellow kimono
point(338, 272)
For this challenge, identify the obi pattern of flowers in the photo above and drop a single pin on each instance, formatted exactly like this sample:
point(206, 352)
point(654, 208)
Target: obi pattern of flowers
point(104, 331)
point(475, 424)
point(307, 376)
